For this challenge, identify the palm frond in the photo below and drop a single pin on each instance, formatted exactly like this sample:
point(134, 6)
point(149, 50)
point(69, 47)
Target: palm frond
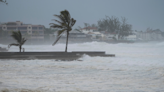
point(61, 18)
point(23, 41)
point(17, 36)
point(65, 14)
point(13, 44)
point(60, 22)
point(56, 40)
point(60, 32)
point(72, 22)
point(78, 30)
point(20, 35)
point(53, 25)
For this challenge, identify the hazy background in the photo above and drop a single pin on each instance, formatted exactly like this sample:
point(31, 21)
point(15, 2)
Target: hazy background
point(140, 13)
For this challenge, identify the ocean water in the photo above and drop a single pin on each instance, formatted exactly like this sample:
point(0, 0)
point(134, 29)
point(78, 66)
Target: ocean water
point(137, 67)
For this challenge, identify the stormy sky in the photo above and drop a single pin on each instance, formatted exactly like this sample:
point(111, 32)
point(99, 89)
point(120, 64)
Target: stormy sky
point(140, 13)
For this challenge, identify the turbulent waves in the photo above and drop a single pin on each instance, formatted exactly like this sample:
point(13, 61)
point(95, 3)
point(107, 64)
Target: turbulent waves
point(137, 67)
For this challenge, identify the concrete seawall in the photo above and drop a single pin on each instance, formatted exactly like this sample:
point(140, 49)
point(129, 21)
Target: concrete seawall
point(52, 55)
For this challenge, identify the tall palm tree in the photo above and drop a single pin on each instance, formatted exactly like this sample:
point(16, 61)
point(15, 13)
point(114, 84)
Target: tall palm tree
point(65, 24)
point(20, 40)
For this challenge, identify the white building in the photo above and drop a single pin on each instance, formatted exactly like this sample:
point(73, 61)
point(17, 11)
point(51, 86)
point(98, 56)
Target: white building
point(72, 34)
point(150, 35)
point(86, 30)
point(32, 31)
point(131, 37)
point(93, 32)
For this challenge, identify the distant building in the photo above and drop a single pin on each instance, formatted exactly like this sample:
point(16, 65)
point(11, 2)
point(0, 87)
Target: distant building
point(86, 30)
point(132, 37)
point(92, 32)
point(73, 34)
point(27, 30)
point(74, 37)
point(96, 35)
point(150, 35)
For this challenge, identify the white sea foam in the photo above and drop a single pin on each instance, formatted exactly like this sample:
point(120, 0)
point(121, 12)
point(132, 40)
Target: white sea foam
point(137, 67)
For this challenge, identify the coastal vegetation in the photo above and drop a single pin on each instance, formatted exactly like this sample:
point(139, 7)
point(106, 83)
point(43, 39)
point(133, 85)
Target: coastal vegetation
point(111, 25)
point(18, 37)
point(64, 24)
point(114, 26)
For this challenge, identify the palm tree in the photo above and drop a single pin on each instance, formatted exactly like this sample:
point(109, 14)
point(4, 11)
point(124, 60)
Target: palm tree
point(20, 40)
point(65, 24)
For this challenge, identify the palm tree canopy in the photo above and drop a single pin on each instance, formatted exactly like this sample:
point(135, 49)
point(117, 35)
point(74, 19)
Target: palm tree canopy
point(64, 23)
point(18, 37)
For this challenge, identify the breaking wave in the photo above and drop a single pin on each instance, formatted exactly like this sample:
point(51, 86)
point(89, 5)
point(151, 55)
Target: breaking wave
point(138, 66)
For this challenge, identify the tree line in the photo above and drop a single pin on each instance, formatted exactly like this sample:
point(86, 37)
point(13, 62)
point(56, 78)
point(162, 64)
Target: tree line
point(112, 25)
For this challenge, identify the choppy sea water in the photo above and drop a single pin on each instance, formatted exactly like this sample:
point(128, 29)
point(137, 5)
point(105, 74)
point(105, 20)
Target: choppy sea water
point(137, 67)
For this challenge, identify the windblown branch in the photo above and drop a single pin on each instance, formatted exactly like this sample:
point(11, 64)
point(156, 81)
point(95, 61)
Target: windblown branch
point(56, 41)
point(13, 44)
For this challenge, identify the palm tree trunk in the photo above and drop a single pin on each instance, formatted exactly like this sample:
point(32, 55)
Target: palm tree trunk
point(67, 41)
point(20, 47)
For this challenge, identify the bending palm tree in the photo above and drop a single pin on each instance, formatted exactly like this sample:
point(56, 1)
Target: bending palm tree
point(65, 25)
point(18, 37)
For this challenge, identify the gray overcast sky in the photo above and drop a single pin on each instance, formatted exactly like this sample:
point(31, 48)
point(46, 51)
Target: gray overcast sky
point(140, 13)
